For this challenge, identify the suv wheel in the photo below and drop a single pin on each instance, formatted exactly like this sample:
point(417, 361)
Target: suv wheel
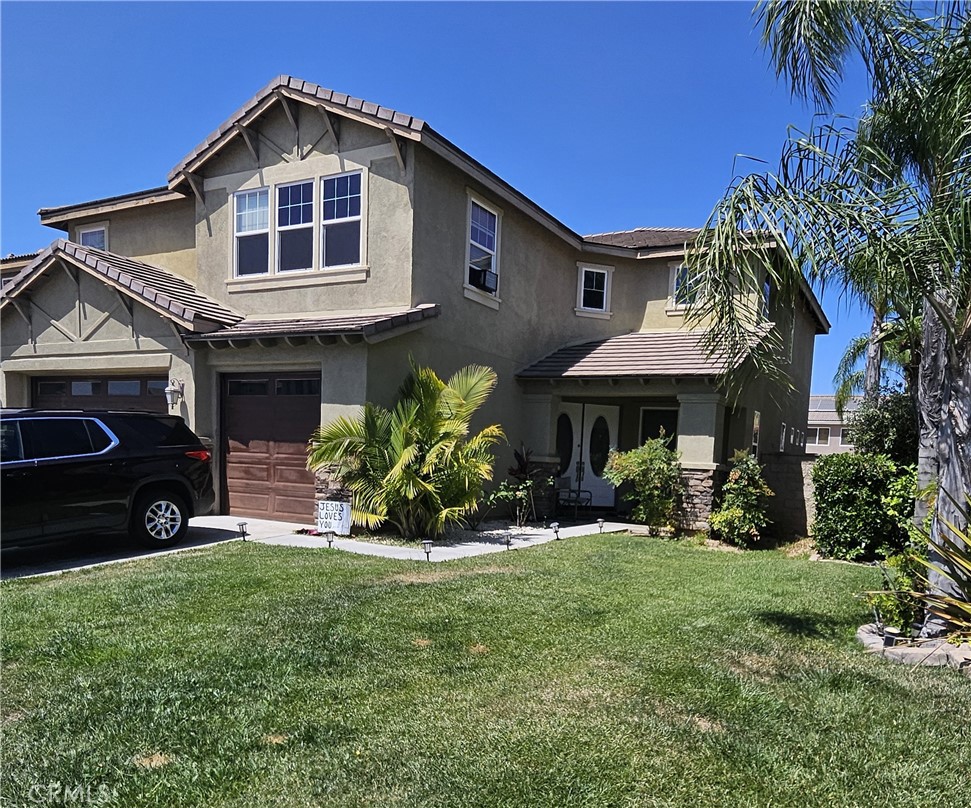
point(160, 519)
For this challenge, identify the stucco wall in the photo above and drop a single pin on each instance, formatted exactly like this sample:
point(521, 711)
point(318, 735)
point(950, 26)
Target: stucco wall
point(162, 234)
point(382, 280)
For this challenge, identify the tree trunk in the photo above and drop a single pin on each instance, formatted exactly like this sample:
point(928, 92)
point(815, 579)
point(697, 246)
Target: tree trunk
point(954, 466)
point(874, 360)
point(930, 397)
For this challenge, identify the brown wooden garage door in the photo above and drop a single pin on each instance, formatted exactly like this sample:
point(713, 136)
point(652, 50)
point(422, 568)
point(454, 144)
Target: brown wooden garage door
point(100, 393)
point(267, 420)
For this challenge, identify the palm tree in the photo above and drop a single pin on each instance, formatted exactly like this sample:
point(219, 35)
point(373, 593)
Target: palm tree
point(417, 466)
point(890, 197)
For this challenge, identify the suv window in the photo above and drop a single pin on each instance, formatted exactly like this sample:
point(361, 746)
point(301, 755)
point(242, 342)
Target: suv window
point(154, 431)
point(11, 447)
point(62, 437)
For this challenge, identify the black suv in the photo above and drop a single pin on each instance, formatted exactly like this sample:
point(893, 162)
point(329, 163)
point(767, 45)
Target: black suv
point(75, 472)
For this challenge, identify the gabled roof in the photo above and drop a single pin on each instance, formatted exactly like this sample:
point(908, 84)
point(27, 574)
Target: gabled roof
point(170, 295)
point(642, 354)
point(62, 215)
point(289, 87)
point(364, 324)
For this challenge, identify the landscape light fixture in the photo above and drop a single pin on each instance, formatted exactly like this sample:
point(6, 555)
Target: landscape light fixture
point(426, 545)
point(175, 392)
point(508, 541)
point(600, 523)
point(556, 529)
point(242, 530)
point(329, 535)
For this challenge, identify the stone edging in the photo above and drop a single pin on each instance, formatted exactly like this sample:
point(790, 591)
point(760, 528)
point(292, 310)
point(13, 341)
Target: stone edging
point(928, 653)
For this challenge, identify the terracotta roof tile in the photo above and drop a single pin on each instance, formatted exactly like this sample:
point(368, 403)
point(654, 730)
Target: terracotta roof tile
point(363, 323)
point(637, 355)
point(154, 286)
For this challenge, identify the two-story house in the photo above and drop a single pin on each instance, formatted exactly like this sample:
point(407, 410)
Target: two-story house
point(298, 256)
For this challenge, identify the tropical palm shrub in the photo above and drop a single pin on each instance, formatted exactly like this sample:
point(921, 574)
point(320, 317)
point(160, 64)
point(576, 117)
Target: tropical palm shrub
point(418, 466)
point(654, 474)
point(741, 516)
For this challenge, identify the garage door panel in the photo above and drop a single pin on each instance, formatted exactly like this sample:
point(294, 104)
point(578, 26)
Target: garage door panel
point(96, 392)
point(268, 419)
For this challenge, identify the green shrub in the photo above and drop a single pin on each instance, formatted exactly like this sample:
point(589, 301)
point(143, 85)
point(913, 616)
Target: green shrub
point(887, 425)
point(417, 467)
point(859, 503)
point(741, 517)
point(654, 474)
point(898, 605)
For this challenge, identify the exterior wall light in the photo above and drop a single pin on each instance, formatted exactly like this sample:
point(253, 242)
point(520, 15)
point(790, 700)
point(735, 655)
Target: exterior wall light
point(175, 392)
point(556, 529)
point(426, 545)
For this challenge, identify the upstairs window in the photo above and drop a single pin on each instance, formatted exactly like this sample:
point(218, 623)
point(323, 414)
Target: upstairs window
point(295, 227)
point(94, 235)
point(683, 288)
point(593, 289)
point(483, 269)
point(766, 299)
point(341, 237)
point(253, 232)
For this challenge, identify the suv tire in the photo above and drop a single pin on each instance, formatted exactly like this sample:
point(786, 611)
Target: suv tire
point(160, 518)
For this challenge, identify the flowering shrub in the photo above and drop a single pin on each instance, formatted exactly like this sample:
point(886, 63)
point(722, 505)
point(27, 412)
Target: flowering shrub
point(654, 474)
point(741, 517)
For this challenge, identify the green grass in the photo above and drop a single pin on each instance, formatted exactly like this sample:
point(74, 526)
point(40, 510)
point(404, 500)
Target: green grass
point(602, 671)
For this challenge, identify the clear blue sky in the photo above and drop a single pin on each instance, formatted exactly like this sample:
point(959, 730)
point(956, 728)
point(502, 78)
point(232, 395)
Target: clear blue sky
point(610, 116)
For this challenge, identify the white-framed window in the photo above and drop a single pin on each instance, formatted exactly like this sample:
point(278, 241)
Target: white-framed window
point(295, 227)
point(846, 437)
point(593, 289)
point(252, 229)
point(782, 438)
point(94, 235)
point(482, 252)
point(818, 436)
point(756, 425)
point(340, 242)
point(681, 291)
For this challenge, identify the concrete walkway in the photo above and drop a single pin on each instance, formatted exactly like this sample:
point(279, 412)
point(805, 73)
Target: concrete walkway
point(443, 551)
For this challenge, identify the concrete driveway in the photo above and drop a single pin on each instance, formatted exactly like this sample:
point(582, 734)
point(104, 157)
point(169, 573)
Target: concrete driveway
point(88, 551)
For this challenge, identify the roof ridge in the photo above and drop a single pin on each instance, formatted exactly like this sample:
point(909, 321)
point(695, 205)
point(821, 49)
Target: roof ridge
point(641, 229)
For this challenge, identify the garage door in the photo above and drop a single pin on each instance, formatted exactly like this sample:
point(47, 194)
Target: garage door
point(267, 420)
point(100, 393)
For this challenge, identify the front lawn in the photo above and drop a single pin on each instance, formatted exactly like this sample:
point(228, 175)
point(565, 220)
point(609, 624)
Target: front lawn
point(602, 671)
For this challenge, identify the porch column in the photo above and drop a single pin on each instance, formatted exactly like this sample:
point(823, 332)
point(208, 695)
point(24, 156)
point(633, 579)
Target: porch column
point(700, 424)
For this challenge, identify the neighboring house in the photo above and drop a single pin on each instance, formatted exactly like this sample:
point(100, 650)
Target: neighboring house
point(302, 252)
point(825, 431)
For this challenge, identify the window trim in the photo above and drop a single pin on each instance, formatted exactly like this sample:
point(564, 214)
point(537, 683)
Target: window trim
point(583, 311)
point(311, 226)
point(320, 224)
point(92, 228)
point(846, 438)
point(672, 306)
point(490, 299)
point(236, 234)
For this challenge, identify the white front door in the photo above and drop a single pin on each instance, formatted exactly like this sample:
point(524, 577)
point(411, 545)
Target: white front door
point(593, 428)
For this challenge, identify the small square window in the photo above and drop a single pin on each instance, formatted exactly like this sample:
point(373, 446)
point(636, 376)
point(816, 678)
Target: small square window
point(593, 289)
point(94, 236)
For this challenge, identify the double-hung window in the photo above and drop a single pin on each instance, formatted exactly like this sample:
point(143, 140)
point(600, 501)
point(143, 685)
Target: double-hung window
point(593, 289)
point(683, 289)
point(483, 270)
point(341, 220)
point(253, 232)
point(295, 227)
